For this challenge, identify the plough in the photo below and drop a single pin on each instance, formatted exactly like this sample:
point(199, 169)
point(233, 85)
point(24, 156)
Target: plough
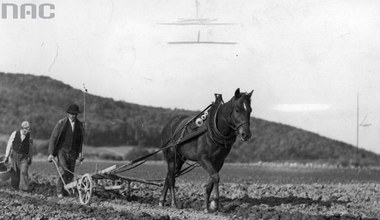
point(89, 183)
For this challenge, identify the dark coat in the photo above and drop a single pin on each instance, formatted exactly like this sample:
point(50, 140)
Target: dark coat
point(57, 134)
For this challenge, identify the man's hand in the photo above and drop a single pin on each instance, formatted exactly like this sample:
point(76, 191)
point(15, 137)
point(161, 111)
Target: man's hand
point(81, 158)
point(50, 158)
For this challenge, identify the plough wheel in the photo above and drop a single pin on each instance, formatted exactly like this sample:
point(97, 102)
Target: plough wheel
point(85, 189)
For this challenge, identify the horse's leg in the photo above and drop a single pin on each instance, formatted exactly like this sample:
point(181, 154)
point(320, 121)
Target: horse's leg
point(169, 158)
point(161, 202)
point(171, 182)
point(209, 187)
point(174, 167)
point(178, 166)
point(215, 179)
point(218, 166)
point(212, 184)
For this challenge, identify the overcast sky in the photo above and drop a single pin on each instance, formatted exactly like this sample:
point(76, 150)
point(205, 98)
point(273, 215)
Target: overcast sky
point(306, 60)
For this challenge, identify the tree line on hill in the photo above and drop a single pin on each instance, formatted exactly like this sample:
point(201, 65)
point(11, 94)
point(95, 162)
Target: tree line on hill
point(43, 101)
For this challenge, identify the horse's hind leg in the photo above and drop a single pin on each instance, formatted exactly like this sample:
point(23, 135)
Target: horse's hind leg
point(169, 184)
point(169, 160)
point(161, 202)
point(169, 180)
point(174, 168)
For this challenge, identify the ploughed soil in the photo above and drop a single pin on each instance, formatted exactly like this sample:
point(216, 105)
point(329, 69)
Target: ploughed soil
point(248, 191)
point(239, 200)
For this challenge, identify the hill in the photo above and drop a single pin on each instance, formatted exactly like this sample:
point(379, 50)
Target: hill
point(43, 101)
point(278, 142)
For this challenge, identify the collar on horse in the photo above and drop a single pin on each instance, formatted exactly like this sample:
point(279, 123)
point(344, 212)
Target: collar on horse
point(215, 135)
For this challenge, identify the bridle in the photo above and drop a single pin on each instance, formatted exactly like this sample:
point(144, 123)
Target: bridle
point(216, 135)
point(232, 125)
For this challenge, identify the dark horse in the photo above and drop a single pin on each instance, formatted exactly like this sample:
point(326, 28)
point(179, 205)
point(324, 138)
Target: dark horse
point(224, 122)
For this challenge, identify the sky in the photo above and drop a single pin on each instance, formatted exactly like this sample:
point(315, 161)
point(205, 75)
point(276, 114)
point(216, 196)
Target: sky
point(308, 62)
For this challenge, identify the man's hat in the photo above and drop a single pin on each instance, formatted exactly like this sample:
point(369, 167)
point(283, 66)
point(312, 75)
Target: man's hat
point(73, 109)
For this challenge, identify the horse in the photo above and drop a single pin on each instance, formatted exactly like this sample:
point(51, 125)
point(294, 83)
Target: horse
point(224, 122)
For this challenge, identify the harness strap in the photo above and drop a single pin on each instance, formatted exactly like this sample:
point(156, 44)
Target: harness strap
point(146, 156)
point(181, 140)
point(192, 135)
point(128, 168)
point(142, 160)
point(187, 169)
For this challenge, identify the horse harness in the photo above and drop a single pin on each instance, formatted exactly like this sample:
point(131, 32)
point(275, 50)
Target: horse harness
point(213, 132)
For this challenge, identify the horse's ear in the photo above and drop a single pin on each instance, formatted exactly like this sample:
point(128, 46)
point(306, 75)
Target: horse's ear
point(250, 94)
point(237, 93)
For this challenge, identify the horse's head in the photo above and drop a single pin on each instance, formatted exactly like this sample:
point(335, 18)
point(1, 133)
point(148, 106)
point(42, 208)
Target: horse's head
point(240, 115)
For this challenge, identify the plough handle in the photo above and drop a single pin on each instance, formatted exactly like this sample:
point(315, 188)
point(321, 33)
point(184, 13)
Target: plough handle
point(59, 172)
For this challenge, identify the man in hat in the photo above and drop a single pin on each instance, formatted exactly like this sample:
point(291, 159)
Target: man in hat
point(66, 143)
point(19, 150)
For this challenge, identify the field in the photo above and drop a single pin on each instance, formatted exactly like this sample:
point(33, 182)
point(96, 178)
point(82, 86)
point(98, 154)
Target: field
point(248, 191)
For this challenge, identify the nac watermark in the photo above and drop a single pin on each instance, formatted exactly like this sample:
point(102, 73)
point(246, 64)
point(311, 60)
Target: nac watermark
point(27, 11)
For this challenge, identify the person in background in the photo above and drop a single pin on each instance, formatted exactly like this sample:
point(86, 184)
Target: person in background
point(19, 150)
point(66, 143)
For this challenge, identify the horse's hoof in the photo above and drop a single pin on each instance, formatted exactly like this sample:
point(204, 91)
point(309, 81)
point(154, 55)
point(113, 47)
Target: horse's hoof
point(161, 203)
point(213, 206)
